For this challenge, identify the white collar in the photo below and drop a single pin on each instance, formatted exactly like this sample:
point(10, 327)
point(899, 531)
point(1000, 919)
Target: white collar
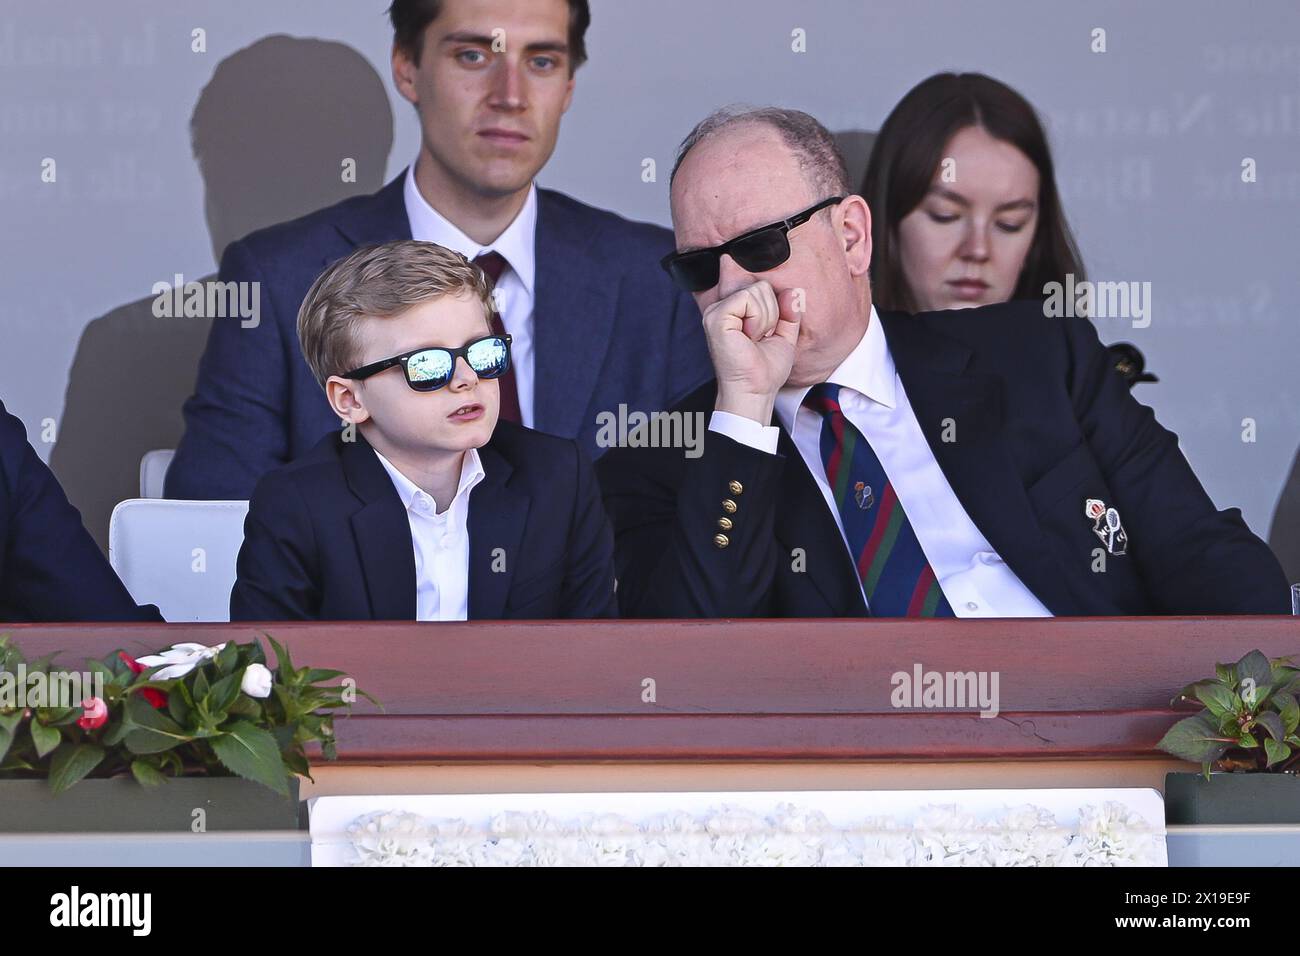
point(517, 244)
point(868, 369)
point(471, 473)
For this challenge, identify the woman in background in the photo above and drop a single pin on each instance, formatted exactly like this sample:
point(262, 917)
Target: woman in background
point(965, 210)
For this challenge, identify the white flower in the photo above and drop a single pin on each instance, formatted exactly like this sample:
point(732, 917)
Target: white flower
point(1110, 835)
point(180, 659)
point(257, 681)
point(391, 839)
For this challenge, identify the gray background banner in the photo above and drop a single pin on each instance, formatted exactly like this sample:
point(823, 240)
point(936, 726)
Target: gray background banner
point(164, 154)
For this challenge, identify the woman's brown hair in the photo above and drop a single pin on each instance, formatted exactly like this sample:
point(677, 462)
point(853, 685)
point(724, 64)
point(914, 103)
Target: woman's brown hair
point(909, 149)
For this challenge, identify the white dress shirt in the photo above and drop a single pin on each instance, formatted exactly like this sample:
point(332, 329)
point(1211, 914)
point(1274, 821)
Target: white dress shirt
point(974, 578)
point(515, 289)
point(440, 541)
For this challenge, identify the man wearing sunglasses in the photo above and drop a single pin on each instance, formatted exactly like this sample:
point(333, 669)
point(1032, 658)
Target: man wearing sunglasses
point(979, 463)
point(595, 323)
point(427, 506)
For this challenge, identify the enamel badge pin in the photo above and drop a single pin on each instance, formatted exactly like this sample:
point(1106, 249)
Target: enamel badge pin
point(863, 496)
point(1107, 526)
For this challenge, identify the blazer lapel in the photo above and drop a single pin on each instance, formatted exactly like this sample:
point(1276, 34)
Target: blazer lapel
point(383, 534)
point(573, 316)
point(804, 521)
point(497, 514)
point(380, 217)
point(934, 370)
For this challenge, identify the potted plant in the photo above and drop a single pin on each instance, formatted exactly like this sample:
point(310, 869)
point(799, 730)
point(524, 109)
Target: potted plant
point(191, 739)
point(1245, 739)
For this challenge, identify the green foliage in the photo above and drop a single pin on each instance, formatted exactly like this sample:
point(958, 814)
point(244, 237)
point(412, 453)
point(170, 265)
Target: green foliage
point(199, 723)
point(1249, 719)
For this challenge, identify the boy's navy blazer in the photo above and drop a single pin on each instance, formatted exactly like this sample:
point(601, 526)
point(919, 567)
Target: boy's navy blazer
point(610, 329)
point(327, 537)
point(50, 567)
point(1042, 423)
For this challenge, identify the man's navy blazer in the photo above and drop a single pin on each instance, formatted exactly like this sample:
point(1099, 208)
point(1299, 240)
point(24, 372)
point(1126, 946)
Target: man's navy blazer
point(327, 537)
point(1042, 423)
point(50, 567)
point(609, 329)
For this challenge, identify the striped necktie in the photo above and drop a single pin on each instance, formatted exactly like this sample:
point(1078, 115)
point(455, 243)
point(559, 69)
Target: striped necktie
point(493, 263)
point(896, 576)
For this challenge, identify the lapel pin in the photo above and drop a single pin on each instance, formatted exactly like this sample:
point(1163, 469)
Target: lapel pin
point(1107, 526)
point(862, 494)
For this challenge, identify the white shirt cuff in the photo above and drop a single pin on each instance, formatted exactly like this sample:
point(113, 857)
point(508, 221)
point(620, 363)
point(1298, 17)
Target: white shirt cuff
point(746, 431)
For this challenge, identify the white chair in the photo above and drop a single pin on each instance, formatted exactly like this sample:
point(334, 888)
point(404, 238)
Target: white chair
point(179, 555)
point(153, 471)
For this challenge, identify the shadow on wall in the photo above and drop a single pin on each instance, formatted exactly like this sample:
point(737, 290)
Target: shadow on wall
point(270, 131)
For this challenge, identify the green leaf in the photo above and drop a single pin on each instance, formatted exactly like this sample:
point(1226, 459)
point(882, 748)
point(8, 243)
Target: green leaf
point(251, 752)
point(224, 692)
point(58, 716)
point(1255, 668)
point(115, 732)
point(6, 741)
point(45, 738)
point(146, 774)
point(151, 731)
point(200, 683)
point(245, 706)
point(1273, 724)
point(227, 658)
point(1277, 752)
point(282, 662)
point(1192, 739)
point(177, 706)
point(316, 675)
point(71, 764)
point(1226, 673)
point(1219, 699)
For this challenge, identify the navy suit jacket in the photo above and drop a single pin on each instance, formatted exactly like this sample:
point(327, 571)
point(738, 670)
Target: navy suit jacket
point(327, 537)
point(1042, 424)
point(50, 567)
point(609, 328)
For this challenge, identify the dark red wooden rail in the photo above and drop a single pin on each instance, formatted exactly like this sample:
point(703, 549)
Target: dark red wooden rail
point(742, 690)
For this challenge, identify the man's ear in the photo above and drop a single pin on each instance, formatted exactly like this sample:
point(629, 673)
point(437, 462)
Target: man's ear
point(345, 398)
point(404, 71)
point(856, 234)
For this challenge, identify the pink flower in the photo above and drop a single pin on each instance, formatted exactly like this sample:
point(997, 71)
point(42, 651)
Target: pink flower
point(155, 697)
point(94, 713)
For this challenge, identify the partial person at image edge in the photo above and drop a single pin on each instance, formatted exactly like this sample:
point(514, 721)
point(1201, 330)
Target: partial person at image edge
point(50, 567)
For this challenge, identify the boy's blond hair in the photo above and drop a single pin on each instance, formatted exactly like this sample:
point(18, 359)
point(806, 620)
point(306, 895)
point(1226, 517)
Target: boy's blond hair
point(378, 281)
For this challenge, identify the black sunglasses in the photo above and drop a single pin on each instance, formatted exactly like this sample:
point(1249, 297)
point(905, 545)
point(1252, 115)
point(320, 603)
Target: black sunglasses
point(755, 251)
point(429, 369)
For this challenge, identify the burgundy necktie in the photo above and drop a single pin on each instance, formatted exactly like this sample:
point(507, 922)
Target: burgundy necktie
point(493, 263)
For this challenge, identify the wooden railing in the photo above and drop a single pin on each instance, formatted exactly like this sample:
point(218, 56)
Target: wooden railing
point(733, 690)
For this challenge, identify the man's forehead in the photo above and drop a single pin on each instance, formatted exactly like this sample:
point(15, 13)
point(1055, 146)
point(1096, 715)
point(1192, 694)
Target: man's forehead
point(733, 182)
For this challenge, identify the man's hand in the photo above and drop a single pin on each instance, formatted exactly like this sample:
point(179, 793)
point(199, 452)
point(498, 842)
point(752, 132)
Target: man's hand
point(752, 343)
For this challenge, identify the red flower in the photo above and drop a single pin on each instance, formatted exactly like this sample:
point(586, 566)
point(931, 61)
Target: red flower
point(94, 713)
point(155, 697)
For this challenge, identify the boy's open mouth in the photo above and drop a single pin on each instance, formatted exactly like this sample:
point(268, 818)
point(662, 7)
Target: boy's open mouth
point(467, 412)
